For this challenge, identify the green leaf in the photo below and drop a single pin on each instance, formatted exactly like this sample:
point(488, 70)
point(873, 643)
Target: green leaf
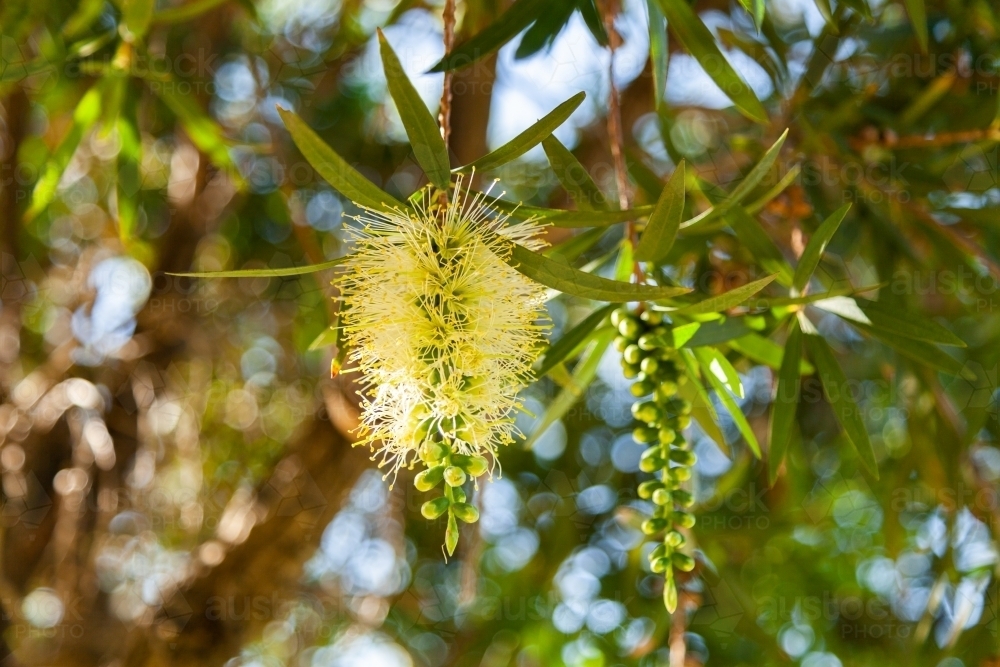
point(570, 340)
point(918, 17)
point(267, 273)
point(568, 280)
point(659, 54)
point(923, 353)
point(765, 351)
point(838, 392)
point(697, 39)
point(814, 249)
point(702, 409)
point(576, 245)
point(573, 176)
point(726, 300)
point(746, 186)
point(786, 402)
point(87, 112)
point(705, 359)
point(421, 128)
point(827, 12)
point(520, 15)
point(329, 336)
point(720, 367)
point(583, 376)
point(136, 16)
point(528, 139)
point(682, 334)
point(760, 245)
point(661, 230)
point(891, 320)
point(571, 219)
point(719, 331)
point(335, 170)
point(592, 17)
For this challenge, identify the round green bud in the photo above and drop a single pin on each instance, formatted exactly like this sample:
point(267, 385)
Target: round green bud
point(454, 476)
point(680, 474)
point(432, 452)
point(630, 371)
point(432, 509)
point(659, 552)
point(642, 388)
point(644, 435)
point(648, 341)
point(647, 411)
point(632, 354)
point(649, 365)
point(668, 388)
point(684, 407)
point(666, 435)
point(617, 315)
point(647, 488)
point(428, 479)
point(683, 421)
point(630, 328)
point(477, 466)
point(683, 519)
point(654, 525)
point(621, 343)
point(465, 512)
point(661, 497)
point(660, 565)
point(683, 457)
point(651, 317)
point(458, 495)
point(682, 562)
point(675, 539)
point(651, 463)
point(683, 498)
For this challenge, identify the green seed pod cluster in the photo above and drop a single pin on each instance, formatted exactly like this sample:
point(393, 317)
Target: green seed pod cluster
point(454, 470)
point(649, 358)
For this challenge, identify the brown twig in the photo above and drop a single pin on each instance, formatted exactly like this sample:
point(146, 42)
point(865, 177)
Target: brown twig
point(616, 135)
point(444, 113)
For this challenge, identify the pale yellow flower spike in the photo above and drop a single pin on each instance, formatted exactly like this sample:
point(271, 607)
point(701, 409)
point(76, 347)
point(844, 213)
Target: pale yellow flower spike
point(443, 330)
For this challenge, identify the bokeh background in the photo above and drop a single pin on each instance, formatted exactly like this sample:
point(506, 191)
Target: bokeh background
point(178, 481)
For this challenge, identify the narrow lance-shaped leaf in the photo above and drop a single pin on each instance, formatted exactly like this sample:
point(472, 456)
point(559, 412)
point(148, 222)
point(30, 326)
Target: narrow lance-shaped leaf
point(659, 54)
point(334, 169)
point(926, 354)
point(520, 15)
point(814, 249)
point(838, 392)
point(420, 126)
point(267, 273)
point(896, 321)
point(568, 280)
point(918, 17)
point(571, 219)
point(765, 351)
point(698, 40)
point(786, 402)
point(727, 300)
point(573, 176)
point(702, 408)
point(561, 349)
point(720, 367)
point(661, 230)
point(760, 245)
point(746, 186)
point(528, 139)
point(87, 111)
point(705, 358)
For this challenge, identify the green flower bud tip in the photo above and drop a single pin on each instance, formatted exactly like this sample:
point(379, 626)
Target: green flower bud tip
point(630, 328)
point(647, 488)
point(432, 509)
point(675, 539)
point(682, 562)
point(454, 476)
point(465, 512)
point(632, 354)
point(428, 479)
point(432, 452)
point(661, 497)
point(660, 565)
point(648, 341)
point(649, 365)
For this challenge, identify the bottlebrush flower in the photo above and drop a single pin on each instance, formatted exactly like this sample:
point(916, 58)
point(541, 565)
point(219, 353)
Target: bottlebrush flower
point(442, 329)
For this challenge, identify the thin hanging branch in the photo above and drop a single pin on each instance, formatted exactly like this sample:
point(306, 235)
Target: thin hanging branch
point(617, 136)
point(444, 112)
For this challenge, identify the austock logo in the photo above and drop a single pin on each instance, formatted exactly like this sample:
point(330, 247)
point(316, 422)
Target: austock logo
point(720, 611)
point(25, 501)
